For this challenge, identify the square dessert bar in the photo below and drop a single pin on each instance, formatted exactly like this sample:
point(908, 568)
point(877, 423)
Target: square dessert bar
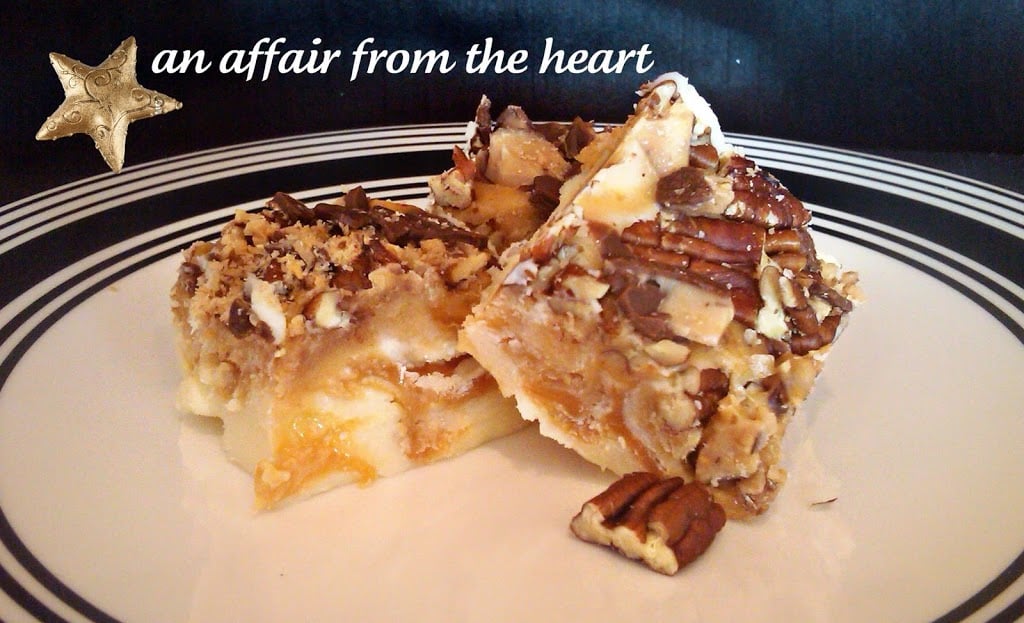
point(672, 312)
point(325, 338)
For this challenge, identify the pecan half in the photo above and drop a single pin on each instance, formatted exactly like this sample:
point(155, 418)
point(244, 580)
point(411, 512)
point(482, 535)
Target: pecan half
point(760, 198)
point(665, 523)
point(188, 276)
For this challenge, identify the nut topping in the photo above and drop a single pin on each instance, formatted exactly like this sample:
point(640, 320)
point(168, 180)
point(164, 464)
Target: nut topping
point(762, 199)
point(666, 524)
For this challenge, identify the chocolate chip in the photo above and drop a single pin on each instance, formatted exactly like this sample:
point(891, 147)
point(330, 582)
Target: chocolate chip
point(683, 188)
point(329, 212)
point(642, 299)
point(554, 132)
point(580, 135)
point(544, 193)
point(639, 301)
point(402, 228)
point(239, 322)
point(378, 255)
point(357, 200)
point(653, 327)
point(392, 225)
point(294, 211)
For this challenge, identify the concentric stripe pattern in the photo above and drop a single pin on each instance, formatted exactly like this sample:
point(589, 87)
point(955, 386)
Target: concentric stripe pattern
point(96, 231)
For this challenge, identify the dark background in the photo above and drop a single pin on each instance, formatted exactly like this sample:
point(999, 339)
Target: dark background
point(939, 82)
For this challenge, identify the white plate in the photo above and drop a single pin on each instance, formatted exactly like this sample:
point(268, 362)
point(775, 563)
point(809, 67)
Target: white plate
point(115, 507)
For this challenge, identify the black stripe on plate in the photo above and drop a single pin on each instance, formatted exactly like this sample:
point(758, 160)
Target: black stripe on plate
point(987, 594)
point(36, 259)
point(235, 151)
point(996, 249)
point(982, 279)
point(884, 165)
point(45, 577)
point(782, 162)
point(1013, 612)
point(265, 161)
point(33, 308)
point(10, 539)
point(1016, 568)
point(22, 597)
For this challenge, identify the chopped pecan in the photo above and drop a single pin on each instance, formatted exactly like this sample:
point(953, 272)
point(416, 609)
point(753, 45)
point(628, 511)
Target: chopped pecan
point(188, 276)
point(462, 163)
point(714, 386)
point(355, 276)
point(840, 302)
point(272, 271)
point(482, 136)
point(783, 241)
point(778, 399)
point(826, 334)
point(795, 262)
point(666, 524)
point(792, 249)
point(732, 278)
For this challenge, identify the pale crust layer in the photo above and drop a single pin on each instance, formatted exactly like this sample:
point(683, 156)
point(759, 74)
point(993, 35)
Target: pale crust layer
point(325, 339)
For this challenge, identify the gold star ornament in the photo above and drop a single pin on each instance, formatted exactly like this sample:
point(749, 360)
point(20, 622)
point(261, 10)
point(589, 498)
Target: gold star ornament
point(102, 101)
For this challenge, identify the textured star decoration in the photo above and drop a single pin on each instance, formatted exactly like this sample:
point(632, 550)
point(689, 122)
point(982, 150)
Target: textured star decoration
point(102, 101)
